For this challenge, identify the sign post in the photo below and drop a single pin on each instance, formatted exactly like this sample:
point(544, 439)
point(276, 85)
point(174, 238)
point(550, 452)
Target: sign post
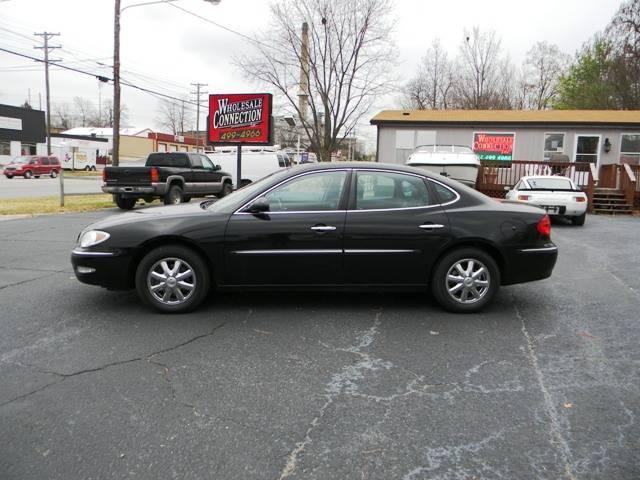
point(239, 119)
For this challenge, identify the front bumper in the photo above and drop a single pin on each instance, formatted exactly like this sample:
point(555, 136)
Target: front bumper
point(110, 269)
point(530, 264)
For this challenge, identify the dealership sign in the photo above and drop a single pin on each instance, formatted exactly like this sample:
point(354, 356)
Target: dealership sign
point(240, 118)
point(494, 146)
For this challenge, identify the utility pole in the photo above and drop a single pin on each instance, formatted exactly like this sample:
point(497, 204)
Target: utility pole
point(198, 93)
point(115, 151)
point(46, 47)
point(303, 97)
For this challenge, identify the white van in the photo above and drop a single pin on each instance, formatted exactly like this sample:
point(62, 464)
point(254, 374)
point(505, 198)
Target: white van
point(256, 163)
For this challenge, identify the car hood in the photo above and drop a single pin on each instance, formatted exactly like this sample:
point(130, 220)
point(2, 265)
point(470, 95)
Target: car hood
point(155, 214)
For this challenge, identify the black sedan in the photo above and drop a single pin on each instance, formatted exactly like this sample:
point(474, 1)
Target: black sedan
point(323, 226)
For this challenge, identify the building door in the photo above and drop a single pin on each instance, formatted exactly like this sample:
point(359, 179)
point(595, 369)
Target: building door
point(587, 149)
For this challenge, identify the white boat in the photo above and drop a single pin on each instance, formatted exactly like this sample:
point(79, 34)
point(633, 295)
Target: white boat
point(452, 161)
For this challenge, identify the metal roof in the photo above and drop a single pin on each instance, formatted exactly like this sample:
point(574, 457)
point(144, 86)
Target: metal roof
point(579, 117)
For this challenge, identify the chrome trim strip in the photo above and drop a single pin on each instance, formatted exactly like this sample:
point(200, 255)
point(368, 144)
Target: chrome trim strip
point(323, 228)
point(430, 226)
point(373, 250)
point(285, 251)
point(535, 250)
point(296, 211)
point(83, 253)
point(393, 209)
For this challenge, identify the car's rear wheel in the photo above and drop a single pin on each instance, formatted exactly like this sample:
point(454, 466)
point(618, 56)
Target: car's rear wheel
point(125, 203)
point(579, 219)
point(28, 174)
point(173, 196)
point(53, 174)
point(172, 279)
point(9, 176)
point(465, 280)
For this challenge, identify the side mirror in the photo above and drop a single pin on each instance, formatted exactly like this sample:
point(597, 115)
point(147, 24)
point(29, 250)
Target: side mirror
point(260, 205)
point(216, 168)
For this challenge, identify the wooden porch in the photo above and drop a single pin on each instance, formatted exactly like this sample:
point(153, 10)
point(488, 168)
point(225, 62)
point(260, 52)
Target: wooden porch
point(493, 177)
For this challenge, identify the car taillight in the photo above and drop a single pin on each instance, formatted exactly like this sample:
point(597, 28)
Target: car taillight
point(155, 176)
point(524, 197)
point(544, 226)
point(104, 175)
point(580, 199)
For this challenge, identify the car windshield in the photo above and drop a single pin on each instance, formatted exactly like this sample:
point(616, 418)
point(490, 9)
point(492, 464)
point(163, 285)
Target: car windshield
point(550, 184)
point(21, 160)
point(241, 196)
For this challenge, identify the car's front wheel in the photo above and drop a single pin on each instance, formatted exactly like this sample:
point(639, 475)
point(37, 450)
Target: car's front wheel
point(28, 174)
point(465, 280)
point(53, 174)
point(172, 279)
point(227, 189)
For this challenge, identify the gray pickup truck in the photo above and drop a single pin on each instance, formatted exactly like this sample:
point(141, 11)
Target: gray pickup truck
point(175, 177)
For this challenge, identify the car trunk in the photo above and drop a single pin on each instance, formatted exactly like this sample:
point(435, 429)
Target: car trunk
point(130, 176)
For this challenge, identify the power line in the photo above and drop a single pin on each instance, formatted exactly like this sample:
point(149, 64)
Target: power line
point(100, 77)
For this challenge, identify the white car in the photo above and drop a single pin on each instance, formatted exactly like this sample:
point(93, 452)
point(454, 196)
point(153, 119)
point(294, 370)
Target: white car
point(256, 162)
point(557, 195)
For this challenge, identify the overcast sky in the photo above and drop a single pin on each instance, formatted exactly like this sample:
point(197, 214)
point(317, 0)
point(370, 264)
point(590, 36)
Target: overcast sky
point(165, 49)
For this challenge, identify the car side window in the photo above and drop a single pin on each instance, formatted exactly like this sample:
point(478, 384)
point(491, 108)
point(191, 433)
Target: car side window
point(383, 190)
point(313, 192)
point(45, 161)
point(196, 162)
point(33, 162)
point(445, 195)
point(206, 163)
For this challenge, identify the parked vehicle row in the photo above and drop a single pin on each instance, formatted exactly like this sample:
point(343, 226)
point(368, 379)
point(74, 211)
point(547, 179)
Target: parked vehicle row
point(323, 226)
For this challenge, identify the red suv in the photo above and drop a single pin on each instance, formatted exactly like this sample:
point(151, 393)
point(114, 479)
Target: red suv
point(33, 166)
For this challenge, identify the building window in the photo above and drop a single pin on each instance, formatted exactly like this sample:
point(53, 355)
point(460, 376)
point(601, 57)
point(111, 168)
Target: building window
point(553, 144)
point(162, 147)
point(173, 147)
point(408, 140)
point(630, 148)
point(5, 147)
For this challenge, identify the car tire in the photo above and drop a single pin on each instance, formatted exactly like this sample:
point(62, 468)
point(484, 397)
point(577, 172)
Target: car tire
point(186, 199)
point(125, 203)
point(36, 176)
point(87, 168)
point(9, 176)
point(174, 195)
point(166, 294)
point(28, 174)
point(93, 168)
point(53, 174)
point(579, 219)
point(227, 188)
point(484, 274)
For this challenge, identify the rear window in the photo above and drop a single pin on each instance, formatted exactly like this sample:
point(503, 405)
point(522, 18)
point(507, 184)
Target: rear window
point(167, 160)
point(550, 183)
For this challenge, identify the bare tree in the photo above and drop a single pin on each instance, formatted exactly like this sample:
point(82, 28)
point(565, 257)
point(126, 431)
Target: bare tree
point(480, 65)
point(83, 110)
point(344, 69)
point(62, 116)
point(174, 116)
point(106, 119)
point(543, 67)
point(432, 87)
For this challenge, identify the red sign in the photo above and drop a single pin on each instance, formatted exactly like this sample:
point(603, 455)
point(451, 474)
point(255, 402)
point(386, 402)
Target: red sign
point(494, 146)
point(240, 118)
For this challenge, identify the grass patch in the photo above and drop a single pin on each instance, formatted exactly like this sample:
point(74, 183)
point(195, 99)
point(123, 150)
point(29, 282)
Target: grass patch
point(31, 206)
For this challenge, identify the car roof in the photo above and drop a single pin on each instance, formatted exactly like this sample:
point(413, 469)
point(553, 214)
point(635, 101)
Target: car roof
point(545, 176)
point(363, 165)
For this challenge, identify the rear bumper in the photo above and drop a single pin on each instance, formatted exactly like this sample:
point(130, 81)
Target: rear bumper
point(136, 191)
point(109, 269)
point(530, 264)
point(570, 209)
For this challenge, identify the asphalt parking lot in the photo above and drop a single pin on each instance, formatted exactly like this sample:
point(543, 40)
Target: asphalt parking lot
point(46, 186)
point(544, 384)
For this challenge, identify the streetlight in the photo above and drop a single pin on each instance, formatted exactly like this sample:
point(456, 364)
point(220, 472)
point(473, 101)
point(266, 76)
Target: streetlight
point(116, 69)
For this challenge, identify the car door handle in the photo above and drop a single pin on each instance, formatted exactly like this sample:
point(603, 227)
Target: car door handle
point(323, 228)
point(431, 226)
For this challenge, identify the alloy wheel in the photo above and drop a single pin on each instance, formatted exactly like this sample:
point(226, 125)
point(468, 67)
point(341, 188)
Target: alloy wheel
point(468, 281)
point(171, 281)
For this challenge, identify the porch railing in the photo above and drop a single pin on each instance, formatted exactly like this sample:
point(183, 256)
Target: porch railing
point(628, 183)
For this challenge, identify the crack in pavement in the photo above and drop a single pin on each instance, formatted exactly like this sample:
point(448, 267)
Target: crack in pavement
point(557, 438)
point(341, 382)
point(32, 279)
point(65, 376)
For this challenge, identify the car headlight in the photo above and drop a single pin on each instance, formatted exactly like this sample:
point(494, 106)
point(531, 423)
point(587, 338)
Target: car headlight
point(93, 237)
